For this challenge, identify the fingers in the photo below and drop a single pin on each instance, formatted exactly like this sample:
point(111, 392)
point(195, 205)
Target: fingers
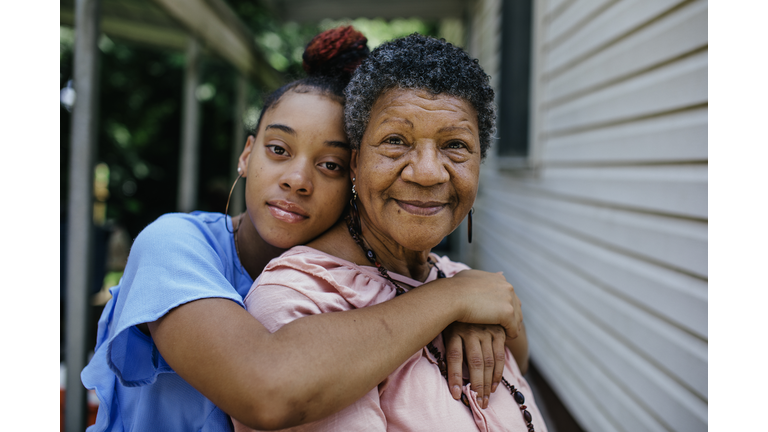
point(489, 366)
point(454, 358)
point(482, 348)
point(476, 364)
point(499, 340)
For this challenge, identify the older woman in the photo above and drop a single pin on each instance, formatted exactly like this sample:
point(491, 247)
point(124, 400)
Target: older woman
point(420, 118)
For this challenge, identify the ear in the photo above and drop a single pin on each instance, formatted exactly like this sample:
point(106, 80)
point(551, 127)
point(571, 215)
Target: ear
point(353, 164)
point(245, 156)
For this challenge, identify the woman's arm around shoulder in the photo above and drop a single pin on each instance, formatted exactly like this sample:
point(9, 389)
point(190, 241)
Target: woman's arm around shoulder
point(301, 373)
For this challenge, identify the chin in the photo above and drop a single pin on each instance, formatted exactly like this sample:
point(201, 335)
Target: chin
point(284, 240)
point(418, 243)
point(422, 236)
point(284, 244)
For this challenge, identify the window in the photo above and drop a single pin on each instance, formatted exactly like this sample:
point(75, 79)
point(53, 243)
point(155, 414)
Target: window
point(514, 101)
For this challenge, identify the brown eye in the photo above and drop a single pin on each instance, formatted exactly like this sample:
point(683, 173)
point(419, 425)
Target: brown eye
point(331, 166)
point(276, 149)
point(455, 145)
point(394, 141)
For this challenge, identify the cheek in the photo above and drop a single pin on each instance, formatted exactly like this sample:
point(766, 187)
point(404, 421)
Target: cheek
point(257, 173)
point(470, 187)
point(379, 175)
point(466, 185)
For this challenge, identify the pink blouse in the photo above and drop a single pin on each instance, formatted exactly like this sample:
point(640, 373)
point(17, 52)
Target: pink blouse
point(304, 281)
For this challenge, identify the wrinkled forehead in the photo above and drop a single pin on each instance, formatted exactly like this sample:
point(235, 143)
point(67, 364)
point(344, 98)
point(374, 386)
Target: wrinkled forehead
point(405, 95)
point(405, 102)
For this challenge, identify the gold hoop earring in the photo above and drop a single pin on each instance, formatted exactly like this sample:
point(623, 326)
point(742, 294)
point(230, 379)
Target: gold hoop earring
point(226, 209)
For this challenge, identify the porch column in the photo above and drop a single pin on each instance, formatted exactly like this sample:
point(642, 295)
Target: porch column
point(80, 211)
point(190, 132)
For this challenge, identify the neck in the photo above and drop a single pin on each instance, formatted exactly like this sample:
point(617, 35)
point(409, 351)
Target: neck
point(393, 256)
point(254, 253)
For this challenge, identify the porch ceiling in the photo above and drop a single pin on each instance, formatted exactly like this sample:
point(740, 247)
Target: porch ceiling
point(168, 24)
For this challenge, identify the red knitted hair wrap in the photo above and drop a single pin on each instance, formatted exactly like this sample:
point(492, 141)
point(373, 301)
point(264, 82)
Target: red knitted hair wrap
point(335, 50)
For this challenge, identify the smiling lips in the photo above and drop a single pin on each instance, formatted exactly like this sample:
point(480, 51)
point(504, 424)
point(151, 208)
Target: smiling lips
point(421, 208)
point(287, 211)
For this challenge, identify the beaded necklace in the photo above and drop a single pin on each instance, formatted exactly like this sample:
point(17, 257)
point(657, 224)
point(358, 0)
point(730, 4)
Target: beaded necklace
point(372, 256)
point(516, 394)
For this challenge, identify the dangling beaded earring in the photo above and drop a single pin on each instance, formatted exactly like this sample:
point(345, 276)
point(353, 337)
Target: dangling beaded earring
point(469, 224)
point(354, 216)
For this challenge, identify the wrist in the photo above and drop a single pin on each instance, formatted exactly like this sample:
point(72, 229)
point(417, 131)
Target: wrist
point(445, 296)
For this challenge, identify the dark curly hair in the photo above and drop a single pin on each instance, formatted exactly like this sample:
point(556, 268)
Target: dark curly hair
point(330, 58)
point(425, 63)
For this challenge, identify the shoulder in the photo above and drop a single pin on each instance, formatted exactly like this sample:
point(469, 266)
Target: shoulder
point(184, 231)
point(197, 223)
point(314, 272)
point(193, 248)
point(303, 263)
point(309, 260)
point(450, 268)
point(196, 248)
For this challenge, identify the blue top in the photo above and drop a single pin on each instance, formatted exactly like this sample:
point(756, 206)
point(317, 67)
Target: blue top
point(176, 259)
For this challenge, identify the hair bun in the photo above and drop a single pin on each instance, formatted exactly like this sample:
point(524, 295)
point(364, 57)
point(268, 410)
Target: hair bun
point(335, 53)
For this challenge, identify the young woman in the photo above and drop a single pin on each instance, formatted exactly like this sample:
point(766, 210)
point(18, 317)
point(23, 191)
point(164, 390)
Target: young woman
point(176, 349)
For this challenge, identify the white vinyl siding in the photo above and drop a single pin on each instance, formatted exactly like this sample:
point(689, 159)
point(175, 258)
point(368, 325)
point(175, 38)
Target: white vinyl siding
point(604, 234)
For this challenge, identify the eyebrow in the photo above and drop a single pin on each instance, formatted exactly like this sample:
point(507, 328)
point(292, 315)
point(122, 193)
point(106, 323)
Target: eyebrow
point(291, 131)
point(282, 127)
point(454, 128)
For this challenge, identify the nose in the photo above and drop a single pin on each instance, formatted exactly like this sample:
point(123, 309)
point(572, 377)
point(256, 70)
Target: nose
point(297, 177)
point(426, 167)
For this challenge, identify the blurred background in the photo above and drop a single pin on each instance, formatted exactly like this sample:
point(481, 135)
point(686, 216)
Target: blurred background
point(593, 201)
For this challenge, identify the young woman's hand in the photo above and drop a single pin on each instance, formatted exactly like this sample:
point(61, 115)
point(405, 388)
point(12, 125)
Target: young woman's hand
point(484, 348)
point(487, 298)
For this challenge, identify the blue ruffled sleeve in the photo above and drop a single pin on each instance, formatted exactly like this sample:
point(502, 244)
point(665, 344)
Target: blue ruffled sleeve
point(177, 259)
point(173, 261)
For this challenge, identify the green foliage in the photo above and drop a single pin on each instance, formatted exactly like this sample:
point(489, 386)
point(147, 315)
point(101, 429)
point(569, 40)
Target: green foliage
point(281, 42)
point(138, 129)
point(378, 31)
point(284, 42)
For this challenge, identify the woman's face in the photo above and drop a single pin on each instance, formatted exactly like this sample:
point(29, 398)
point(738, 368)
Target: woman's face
point(297, 169)
point(418, 167)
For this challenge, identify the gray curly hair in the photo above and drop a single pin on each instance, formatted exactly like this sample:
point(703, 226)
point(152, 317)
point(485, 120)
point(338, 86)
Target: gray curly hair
point(424, 63)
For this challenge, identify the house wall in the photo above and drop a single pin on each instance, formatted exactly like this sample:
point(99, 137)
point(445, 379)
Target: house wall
point(604, 232)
